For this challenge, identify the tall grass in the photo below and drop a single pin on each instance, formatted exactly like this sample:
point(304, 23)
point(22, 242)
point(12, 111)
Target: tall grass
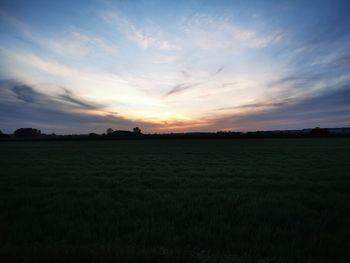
point(267, 200)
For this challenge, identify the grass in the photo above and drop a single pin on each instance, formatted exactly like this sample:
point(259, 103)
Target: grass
point(248, 200)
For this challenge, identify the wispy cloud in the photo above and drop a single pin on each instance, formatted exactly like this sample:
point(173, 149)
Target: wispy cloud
point(26, 93)
point(18, 25)
point(77, 43)
point(260, 105)
point(209, 32)
point(21, 104)
point(68, 96)
point(146, 36)
point(219, 70)
point(72, 42)
point(87, 81)
point(181, 87)
point(162, 59)
point(329, 109)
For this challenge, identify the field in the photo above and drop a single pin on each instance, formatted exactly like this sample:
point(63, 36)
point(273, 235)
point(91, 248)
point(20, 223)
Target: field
point(229, 200)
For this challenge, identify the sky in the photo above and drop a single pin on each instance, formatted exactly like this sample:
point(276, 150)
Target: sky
point(174, 66)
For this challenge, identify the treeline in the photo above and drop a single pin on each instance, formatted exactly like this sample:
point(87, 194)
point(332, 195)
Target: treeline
point(110, 134)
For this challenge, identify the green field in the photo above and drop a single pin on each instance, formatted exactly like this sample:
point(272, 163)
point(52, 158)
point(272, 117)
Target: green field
point(234, 200)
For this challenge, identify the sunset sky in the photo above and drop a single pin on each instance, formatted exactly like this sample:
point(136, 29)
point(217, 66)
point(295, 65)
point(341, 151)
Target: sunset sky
point(174, 66)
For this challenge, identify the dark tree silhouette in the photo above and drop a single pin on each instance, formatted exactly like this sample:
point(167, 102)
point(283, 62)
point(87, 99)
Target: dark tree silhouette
point(3, 135)
point(109, 131)
point(319, 131)
point(137, 131)
point(27, 132)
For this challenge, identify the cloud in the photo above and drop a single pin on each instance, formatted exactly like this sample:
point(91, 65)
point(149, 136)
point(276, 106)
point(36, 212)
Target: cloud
point(49, 70)
point(329, 109)
point(321, 50)
point(26, 93)
point(79, 44)
point(181, 87)
point(219, 70)
point(165, 59)
point(258, 106)
point(72, 42)
point(210, 32)
point(147, 36)
point(69, 97)
point(18, 25)
point(228, 84)
point(22, 105)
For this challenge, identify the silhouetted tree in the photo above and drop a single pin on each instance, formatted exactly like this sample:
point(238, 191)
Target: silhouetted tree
point(109, 131)
point(27, 132)
point(3, 135)
point(137, 131)
point(319, 131)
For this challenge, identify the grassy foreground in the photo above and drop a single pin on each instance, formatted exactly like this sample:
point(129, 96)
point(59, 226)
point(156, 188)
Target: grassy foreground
point(253, 200)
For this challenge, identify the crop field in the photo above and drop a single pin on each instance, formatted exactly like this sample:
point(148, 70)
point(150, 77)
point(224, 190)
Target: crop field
point(194, 200)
